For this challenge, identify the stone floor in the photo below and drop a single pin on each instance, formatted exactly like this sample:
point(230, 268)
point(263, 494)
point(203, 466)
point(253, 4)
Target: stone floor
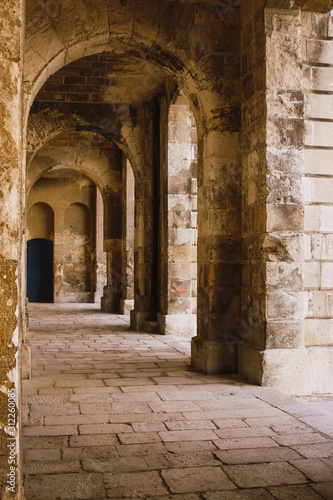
point(111, 413)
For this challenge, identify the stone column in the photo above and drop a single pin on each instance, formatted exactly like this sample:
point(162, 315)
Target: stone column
point(100, 254)
point(110, 302)
point(143, 225)
point(178, 213)
point(127, 300)
point(11, 215)
point(272, 347)
point(218, 249)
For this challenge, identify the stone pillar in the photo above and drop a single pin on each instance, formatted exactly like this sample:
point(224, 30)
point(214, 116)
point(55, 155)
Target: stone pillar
point(218, 249)
point(272, 346)
point(110, 302)
point(100, 254)
point(143, 225)
point(179, 215)
point(59, 253)
point(11, 266)
point(127, 299)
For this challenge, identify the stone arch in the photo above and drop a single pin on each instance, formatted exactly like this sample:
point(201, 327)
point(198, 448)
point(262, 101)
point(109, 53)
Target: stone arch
point(211, 82)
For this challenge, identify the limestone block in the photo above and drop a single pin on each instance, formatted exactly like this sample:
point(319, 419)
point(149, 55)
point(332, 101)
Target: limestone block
point(322, 304)
point(283, 275)
point(318, 332)
point(312, 218)
point(307, 247)
point(319, 51)
point(321, 79)
point(284, 305)
point(284, 217)
point(319, 106)
point(326, 219)
point(318, 190)
point(212, 356)
point(299, 371)
point(327, 275)
point(284, 334)
point(318, 161)
point(178, 325)
point(327, 252)
point(311, 274)
point(319, 133)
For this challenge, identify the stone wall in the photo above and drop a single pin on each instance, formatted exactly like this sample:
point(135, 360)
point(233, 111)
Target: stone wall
point(318, 192)
point(73, 199)
point(11, 232)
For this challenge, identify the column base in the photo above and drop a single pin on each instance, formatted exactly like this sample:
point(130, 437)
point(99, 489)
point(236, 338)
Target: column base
point(109, 301)
point(138, 318)
point(212, 357)
point(301, 371)
point(126, 306)
point(178, 325)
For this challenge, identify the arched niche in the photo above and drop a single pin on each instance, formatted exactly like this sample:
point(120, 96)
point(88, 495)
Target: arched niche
point(40, 222)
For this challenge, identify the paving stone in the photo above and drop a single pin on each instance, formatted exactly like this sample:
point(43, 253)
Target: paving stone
point(315, 450)
point(260, 475)
point(299, 492)
point(93, 440)
point(256, 455)
point(174, 406)
point(64, 486)
point(324, 489)
point(299, 428)
point(227, 423)
point(105, 428)
point(138, 450)
point(40, 467)
point(197, 480)
point(190, 425)
point(157, 462)
point(149, 426)
point(80, 453)
point(145, 417)
point(251, 442)
point(116, 464)
point(134, 485)
point(255, 494)
point(139, 437)
point(200, 459)
point(243, 432)
point(190, 496)
point(42, 454)
point(190, 447)
point(77, 419)
point(45, 442)
point(271, 421)
point(323, 423)
point(291, 439)
point(315, 469)
point(50, 430)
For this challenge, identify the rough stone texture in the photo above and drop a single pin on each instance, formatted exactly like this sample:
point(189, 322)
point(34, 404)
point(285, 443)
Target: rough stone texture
point(223, 110)
point(11, 259)
point(199, 436)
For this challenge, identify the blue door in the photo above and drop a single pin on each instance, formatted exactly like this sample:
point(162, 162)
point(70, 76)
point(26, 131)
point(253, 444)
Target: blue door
point(40, 270)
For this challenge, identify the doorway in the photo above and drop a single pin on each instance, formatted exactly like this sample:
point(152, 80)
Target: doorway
point(40, 270)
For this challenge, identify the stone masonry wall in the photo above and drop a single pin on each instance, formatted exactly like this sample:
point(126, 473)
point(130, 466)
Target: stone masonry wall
point(318, 178)
point(73, 201)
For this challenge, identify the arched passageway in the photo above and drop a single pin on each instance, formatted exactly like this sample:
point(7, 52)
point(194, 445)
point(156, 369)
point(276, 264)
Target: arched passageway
point(111, 69)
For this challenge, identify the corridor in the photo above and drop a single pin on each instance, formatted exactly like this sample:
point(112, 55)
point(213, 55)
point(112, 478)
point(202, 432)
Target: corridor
point(112, 413)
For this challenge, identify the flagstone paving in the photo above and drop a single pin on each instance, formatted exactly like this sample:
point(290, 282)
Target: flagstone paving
point(111, 413)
